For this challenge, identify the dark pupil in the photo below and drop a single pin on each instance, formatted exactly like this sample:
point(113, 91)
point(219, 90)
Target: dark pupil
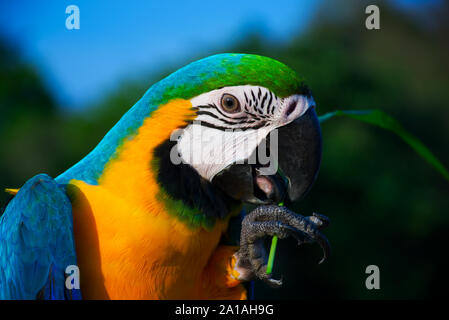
point(229, 102)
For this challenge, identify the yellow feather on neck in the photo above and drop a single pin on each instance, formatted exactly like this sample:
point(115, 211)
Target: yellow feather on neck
point(127, 244)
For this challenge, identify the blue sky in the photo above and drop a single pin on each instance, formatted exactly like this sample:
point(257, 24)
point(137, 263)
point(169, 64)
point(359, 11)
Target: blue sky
point(123, 39)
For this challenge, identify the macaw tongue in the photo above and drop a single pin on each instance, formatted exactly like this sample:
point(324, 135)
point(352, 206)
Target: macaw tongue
point(265, 184)
point(244, 182)
point(271, 188)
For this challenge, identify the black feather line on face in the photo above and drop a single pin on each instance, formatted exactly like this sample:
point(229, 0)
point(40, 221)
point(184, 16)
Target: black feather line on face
point(252, 94)
point(253, 115)
point(269, 103)
point(262, 104)
point(182, 182)
point(253, 118)
point(222, 128)
point(264, 111)
point(224, 115)
point(213, 115)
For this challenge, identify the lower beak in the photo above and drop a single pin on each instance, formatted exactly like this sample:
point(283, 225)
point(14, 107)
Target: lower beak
point(299, 158)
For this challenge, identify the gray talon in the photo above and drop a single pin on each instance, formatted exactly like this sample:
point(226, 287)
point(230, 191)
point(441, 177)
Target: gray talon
point(319, 220)
point(324, 244)
point(274, 283)
point(270, 220)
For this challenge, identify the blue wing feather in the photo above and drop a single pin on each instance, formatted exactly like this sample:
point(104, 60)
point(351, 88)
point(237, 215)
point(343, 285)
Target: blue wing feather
point(36, 242)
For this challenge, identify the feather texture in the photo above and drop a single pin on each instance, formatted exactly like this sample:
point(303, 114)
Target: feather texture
point(36, 243)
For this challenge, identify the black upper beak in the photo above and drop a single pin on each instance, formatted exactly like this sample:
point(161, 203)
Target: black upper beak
point(299, 158)
point(299, 153)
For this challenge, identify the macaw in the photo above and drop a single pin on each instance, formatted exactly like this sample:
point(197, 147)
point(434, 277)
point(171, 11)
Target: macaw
point(142, 215)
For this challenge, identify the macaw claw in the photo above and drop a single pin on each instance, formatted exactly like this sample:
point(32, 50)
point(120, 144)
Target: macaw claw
point(271, 220)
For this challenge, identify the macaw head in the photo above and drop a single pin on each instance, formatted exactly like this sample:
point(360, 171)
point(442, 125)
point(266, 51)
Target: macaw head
point(255, 136)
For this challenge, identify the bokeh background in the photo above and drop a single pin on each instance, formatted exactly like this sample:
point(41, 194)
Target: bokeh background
point(61, 91)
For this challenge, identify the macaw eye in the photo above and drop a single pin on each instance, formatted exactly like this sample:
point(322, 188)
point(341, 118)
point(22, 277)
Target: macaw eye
point(229, 103)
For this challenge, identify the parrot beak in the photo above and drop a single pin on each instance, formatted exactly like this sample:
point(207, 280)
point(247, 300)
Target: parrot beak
point(299, 155)
point(299, 158)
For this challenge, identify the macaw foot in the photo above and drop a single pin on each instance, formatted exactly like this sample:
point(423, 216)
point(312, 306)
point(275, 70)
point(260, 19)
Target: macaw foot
point(270, 220)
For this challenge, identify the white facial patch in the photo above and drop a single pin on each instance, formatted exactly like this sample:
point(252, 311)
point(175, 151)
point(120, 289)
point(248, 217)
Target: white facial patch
point(210, 150)
point(218, 138)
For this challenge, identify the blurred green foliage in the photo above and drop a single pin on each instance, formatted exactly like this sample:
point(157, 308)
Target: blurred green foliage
point(387, 206)
point(379, 118)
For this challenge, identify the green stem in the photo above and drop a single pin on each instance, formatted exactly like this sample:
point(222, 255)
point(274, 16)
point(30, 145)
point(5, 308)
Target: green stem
point(274, 242)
